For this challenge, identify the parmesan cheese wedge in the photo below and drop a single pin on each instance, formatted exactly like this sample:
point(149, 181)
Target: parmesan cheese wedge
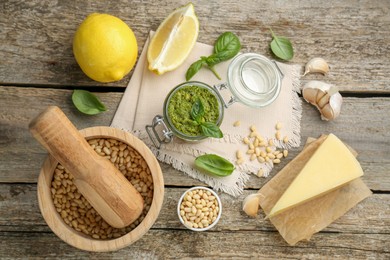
point(331, 166)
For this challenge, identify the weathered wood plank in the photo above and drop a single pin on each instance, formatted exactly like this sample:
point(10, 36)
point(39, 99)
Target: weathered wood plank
point(20, 212)
point(173, 244)
point(36, 36)
point(362, 124)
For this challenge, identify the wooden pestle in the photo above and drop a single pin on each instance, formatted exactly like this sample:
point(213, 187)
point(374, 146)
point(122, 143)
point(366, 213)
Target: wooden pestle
point(97, 179)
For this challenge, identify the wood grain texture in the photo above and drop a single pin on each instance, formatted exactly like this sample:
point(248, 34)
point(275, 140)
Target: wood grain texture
point(254, 237)
point(37, 69)
point(174, 244)
point(36, 36)
point(362, 124)
point(372, 213)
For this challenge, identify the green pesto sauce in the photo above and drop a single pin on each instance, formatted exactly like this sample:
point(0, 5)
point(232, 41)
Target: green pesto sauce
point(180, 104)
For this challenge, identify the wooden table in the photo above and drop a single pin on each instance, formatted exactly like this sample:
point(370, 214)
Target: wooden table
point(37, 69)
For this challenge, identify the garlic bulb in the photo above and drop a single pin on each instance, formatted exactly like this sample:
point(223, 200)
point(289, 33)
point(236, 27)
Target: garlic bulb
point(325, 97)
point(251, 204)
point(316, 65)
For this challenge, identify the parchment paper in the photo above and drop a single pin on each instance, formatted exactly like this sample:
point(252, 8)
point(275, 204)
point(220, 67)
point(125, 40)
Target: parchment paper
point(301, 222)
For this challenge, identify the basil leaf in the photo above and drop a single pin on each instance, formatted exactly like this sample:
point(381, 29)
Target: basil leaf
point(211, 130)
point(87, 103)
point(194, 68)
point(197, 110)
point(214, 164)
point(212, 60)
point(227, 46)
point(281, 47)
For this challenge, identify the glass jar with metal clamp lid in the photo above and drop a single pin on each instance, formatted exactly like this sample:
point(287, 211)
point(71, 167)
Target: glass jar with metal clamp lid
point(252, 79)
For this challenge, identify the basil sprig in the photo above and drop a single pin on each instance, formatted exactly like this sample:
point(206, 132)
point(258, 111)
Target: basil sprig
point(214, 164)
point(281, 47)
point(225, 48)
point(87, 103)
point(208, 128)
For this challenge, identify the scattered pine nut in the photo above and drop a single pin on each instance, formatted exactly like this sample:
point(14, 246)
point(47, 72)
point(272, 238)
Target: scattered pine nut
point(279, 156)
point(278, 135)
point(260, 173)
point(251, 146)
point(276, 161)
point(250, 151)
point(253, 157)
point(246, 140)
point(278, 126)
point(276, 152)
point(266, 159)
point(239, 154)
point(261, 159)
point(256, 142)
point(271, 155)
point(271, 142)
point(285, 153)
point(237, 123)
point(268, 149)
point(253, 128)
point(285, 139)
point(239, 161)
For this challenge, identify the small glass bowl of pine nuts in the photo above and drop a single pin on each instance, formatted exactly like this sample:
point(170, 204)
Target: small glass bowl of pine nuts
point(199, 208)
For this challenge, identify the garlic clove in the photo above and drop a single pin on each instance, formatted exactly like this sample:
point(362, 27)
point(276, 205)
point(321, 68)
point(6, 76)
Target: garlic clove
point(316, 84)
point(316, 65)
point(310, 95)
point(251, 204)
point(335, 101)
point(325, 97)
point(327, 113)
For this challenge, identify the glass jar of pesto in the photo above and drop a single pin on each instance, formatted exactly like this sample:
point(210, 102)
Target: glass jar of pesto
point(253, 80)
point(177, 119)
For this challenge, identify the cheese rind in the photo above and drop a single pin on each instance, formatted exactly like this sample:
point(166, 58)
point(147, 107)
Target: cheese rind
point(331, 166)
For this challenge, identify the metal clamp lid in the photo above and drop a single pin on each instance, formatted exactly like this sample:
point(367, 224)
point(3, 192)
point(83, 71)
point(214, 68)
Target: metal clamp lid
point(165, 135)
point(220, 87)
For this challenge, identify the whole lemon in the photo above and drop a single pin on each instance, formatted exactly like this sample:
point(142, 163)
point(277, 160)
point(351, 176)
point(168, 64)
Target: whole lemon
point(105, 47)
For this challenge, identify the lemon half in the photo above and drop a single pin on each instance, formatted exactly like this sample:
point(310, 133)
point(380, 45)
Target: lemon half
point(173, 40)
point(105, 47)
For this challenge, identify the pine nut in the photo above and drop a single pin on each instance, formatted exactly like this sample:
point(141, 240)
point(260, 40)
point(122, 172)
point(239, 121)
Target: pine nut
point(285, 153)
point(278, 135)
point(237, 123)
point(246, 140)
point(285, 139)
point(253, 128)
point(278, 126)
point(276, 161)
point(239, 154)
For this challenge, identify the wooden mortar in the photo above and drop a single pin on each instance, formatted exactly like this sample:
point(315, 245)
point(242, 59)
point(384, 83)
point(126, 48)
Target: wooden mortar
point(97, 179)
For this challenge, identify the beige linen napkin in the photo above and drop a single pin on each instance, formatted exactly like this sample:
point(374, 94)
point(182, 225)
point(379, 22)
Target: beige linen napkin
point(144, 98)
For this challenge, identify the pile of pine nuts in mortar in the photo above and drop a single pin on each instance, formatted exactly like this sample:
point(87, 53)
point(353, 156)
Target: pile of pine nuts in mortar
point(199, 208)
point(76, 211)
point(261, 149)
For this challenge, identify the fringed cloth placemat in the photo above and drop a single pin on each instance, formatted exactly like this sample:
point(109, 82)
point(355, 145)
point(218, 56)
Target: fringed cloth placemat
point(144, 98)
